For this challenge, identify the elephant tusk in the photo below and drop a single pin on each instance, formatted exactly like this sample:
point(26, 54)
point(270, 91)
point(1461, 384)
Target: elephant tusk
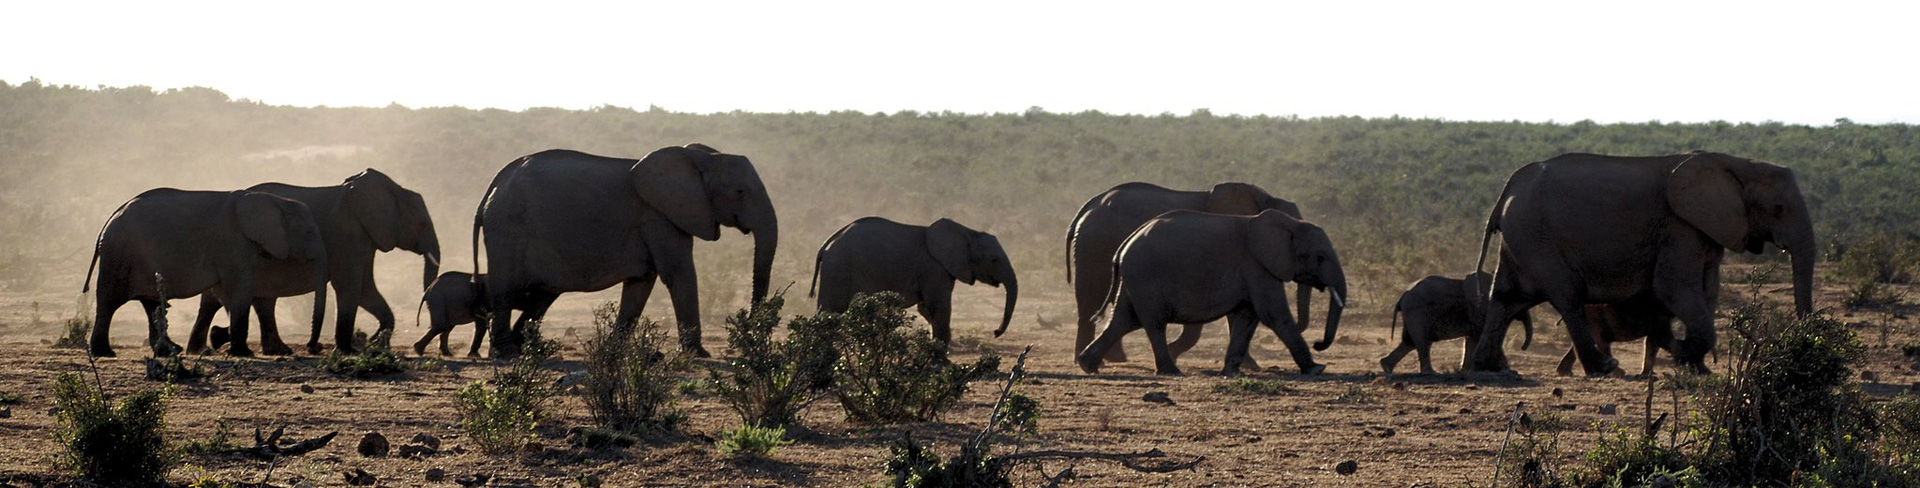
point(1336, 298)
point(435, 260)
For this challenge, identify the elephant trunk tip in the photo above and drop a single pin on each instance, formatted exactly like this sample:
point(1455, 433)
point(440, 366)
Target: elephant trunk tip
point(1321, 345)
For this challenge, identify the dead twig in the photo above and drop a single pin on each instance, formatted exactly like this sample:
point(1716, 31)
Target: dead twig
point(269, 446)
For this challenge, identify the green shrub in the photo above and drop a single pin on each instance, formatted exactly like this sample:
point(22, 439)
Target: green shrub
point(752, 441)
point(1901, 435)
point(889, 371)
point(500, 414)
point(1251, 386)
point(630, 381)
point(9, 398)
point(770, 382)
point(174, 369)
point(374, 359)
point(1883, 258)
point(119, 445)
point(75, 333)
point(1872, 294)
point(221, 441)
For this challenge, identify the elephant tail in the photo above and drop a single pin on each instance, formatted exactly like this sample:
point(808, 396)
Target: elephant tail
point(1074, 228)
point(1394, 321)
point(100, 241)
point(417, 309)
point(480, 211)
point(821, 255)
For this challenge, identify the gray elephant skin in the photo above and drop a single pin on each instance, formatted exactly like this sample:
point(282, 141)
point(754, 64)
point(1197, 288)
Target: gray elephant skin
point(363, 216)
point(1108, 218)
point(1192, 268)
point(920, 263)
point(1584, 228)
point(197, 242)
point(454, 299)
point(1438, 308)
point(565, 221)
point(1643, 317)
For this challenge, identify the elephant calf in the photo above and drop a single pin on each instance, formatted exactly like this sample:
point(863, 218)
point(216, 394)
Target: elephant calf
point(455, 298)
point(1438, 308)
point(1626, 322)
point(920, 263)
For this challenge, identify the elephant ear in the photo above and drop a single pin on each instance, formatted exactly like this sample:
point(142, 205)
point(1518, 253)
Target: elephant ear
point(1704, 192)
point(1235, 199)
point(259, 218)
point(370, 198)
point(1270, 240)
point(669, 180)
point(947, 242)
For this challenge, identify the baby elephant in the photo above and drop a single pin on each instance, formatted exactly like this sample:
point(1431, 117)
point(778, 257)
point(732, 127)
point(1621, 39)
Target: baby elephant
point(920, 263)
point(1625, 322)
point(1438, 308)
point(454, 298)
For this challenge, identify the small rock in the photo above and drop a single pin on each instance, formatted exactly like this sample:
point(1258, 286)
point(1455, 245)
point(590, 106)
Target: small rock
point(1400, 385)
point(1346, 468)
point(436, 474)
point(1379, 380)
point(1253, 439)
point(373, 445)
point(1465, 410)
point(1159, 397)
point(474, 480)
point(589, 481)
point(1387, 433)
point(1869, 376)
point(428, 440)
point(414, 451)
point(1557, 392)
point(349, 393)
point(307, 389)
point(1609, 409)
point(6, 412)
point(360, 477)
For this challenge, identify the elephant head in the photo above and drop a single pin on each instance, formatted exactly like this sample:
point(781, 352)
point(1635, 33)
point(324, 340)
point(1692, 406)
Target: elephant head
point(970, 255)
point(1234, 198)
point(700, 189)
point(284, 229)
point(1300, 252)
point(392, 217)
point(1743, 205)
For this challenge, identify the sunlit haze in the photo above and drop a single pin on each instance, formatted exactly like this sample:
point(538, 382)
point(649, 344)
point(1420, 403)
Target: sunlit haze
point(1799, 62)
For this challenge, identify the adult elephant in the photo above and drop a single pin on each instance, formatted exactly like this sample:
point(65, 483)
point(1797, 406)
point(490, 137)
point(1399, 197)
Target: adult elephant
point(1584, 229)
point(562, 221)
point(167, 243)
point(920, 263)
point(1192, 268)
point(367, 214)
point(1107, 219)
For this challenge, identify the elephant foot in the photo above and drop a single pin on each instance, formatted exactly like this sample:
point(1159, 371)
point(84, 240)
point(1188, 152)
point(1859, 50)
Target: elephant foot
point(1088, 364)
point(474, 354)
point(1387, 366)
point(1607, 368)
point(240, 351)
point(101, 351)
point(313, 348)
point(697, 351)
point(420, 349)
point(1313, 369)
point(166, 349)
point(1168, 371)
point(218, 337)
point(276, 349)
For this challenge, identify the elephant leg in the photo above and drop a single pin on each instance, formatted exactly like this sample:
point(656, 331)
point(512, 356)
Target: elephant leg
point(684, 286)
point(535, 311)
point(1690, 306)
point(157, 335)
point(1240, 325)
point(1189, 336)
point(1121, 321)
point(1419, 335)
point(239, 312)
point(479, 335)
point(270, 342)
point(376, 305)
point(505, 343)
point(1281, 323)
point(1392, 359)
point(202, 324)
point(1596, 361)
point(633, 301)
point(105, 303)
point(939, 316)
point(1090, 294)
point(1163, 362)
point(1646, 360)
point(1566, 363)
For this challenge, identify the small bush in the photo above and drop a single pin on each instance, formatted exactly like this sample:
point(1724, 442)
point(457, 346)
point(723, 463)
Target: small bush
point(1531, 452)
point(373, 360)
point(1251, 386)
point(1884, 258)
point(500, 414)
point(114, 445)
point(1872, 294)
point(221, 441)
point(76, 332)
point(9, 398)
point(752, 441)
point(771, 382)
point(890, 371)
point(174, 369)
point(1354, 395)
point(630, 381)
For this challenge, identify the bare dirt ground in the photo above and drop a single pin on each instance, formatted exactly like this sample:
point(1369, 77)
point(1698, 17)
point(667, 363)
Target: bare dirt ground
point(1408, 430)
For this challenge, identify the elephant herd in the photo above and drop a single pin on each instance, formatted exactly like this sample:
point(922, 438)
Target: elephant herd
point(1619, 246)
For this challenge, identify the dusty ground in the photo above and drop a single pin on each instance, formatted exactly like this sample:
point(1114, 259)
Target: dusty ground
point(1445, 428)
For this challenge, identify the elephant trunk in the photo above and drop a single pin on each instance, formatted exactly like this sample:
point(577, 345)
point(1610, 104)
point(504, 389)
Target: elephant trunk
point(765, 239)
point(1336, 303)
point(1013, 295)
point(1802, 253)
point(431, 269)
point(1304, 297)
point(319, 294)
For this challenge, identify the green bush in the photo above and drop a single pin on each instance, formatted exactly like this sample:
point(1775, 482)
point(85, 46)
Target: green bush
point(752, 441)
point(374, 359)
point(630, 382)
point(1871, 294)
point(75, 333)
point(500, 414)
point(890, 371)
point(221, 441)
point(1881, 258)
point(121, 445)
point(174, 369)
point(770, 382)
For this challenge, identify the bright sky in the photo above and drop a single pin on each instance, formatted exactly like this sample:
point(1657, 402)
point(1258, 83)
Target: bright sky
point(1610, 61)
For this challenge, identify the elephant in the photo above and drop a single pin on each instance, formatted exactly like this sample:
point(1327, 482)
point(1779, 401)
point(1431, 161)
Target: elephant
point(1192, 268)
point(455, 298)
point(366, 214)
point(1642, 317)
point(563, 221)
point(1585, 228)
point(1108, 218)
point(1438, 308)
point(920, 263)
point(168, 243)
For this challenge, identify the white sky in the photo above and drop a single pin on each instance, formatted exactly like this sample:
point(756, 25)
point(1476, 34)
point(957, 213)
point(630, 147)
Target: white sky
point(1609, 61)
